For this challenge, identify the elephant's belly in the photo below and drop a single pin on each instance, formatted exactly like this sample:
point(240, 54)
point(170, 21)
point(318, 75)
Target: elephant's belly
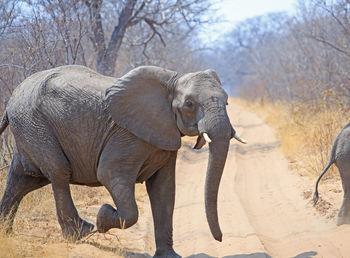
point(87, 184)
point(84, 176)
point(155, 161)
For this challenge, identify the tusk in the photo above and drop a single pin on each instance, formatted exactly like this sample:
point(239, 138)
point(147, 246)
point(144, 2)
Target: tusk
point(239, 139)
point(206, 137)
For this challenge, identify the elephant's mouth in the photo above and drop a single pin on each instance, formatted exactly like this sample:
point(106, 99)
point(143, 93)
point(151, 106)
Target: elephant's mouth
point(190, 129)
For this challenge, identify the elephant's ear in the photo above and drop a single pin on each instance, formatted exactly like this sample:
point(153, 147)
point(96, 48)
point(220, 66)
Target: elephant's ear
point(213, 73)
point(139, 101)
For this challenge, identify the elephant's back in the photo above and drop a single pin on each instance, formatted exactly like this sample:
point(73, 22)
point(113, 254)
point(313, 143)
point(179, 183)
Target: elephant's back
point(63, 80)
point(70, 107)
point(82, 77)
point(64, 96)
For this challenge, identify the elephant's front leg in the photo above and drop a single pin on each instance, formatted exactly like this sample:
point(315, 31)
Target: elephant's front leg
point(119, 179)
point(119, 164)
point(161, 191)
point(126, 213)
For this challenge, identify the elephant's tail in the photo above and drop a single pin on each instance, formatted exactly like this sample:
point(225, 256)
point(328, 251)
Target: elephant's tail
point(4, 122)
point(331, 161)
point(319, 178)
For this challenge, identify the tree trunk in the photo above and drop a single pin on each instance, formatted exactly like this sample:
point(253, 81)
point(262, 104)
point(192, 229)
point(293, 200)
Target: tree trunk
point(107, 55)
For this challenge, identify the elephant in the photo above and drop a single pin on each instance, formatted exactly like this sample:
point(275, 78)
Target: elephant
point(340, 156)
point(72, 125)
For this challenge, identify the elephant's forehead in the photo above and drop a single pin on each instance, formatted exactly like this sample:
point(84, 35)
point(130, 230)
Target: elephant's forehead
point(202, 86)
point(200, 81)
point(196, 78)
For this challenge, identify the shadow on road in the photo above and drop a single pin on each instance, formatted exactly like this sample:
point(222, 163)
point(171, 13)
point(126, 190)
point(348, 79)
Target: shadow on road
point(137, 255)
point(248, 126)
point(253, 255)
point(116, 250)
point(129, 254)
point(306, 255)
point(310, 254)
point(255, 148)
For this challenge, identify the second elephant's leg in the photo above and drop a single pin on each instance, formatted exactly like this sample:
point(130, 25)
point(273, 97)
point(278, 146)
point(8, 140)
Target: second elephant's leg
point(344, 212)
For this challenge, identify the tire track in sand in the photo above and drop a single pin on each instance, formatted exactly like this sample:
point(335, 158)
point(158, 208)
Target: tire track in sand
point(270, 193)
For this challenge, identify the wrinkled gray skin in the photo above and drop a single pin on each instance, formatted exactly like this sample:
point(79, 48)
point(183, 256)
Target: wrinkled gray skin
point(340, 155)
point(74, 126)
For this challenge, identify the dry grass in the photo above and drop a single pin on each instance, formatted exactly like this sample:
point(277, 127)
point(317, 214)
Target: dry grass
point(306, 132)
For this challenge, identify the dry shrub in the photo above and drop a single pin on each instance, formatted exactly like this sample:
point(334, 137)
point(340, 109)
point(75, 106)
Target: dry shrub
point(306, 131)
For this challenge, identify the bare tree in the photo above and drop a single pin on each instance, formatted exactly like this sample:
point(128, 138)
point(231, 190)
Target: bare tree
point(156, 19)
point(330, 23)
point(7, 14)
point(304, 58)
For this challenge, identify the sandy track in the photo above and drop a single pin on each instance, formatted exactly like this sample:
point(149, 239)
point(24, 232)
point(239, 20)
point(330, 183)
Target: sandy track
point(262, 212)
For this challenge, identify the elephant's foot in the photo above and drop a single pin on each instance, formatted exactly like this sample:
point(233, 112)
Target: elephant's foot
point(75, 231)
point(108, 218)
point(105, 218)
point(167, 254)
point(343, 220)
point(344, 212)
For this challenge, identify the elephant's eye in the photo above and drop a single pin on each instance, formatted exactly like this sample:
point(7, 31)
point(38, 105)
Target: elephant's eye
point(189, 103)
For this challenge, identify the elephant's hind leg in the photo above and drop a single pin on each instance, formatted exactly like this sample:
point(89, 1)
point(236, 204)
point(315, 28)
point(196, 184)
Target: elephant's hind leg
point(54, 165)
point(28, 165)
point(344, 212)
point(17, 186)
point(73, 227)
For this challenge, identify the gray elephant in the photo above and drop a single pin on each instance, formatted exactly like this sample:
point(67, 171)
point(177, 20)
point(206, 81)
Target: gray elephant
point(74, 126)
point(340, 155)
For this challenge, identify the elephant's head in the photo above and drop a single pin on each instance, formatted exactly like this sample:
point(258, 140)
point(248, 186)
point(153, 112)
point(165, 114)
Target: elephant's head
point(159, 106)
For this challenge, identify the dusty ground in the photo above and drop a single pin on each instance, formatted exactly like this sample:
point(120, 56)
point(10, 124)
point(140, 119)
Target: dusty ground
point(265, 208)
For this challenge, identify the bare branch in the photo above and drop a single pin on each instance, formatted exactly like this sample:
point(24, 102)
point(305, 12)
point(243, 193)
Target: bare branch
point(155, 32)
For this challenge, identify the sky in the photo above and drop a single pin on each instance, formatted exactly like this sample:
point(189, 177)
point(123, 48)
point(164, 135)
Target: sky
point(233, 11)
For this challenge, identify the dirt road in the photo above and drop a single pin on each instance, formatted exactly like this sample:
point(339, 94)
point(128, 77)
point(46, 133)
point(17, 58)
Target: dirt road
point(262, 211)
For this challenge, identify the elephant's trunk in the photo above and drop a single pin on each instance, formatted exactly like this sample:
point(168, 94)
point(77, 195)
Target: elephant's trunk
point(217, 126)
point(217, 158)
